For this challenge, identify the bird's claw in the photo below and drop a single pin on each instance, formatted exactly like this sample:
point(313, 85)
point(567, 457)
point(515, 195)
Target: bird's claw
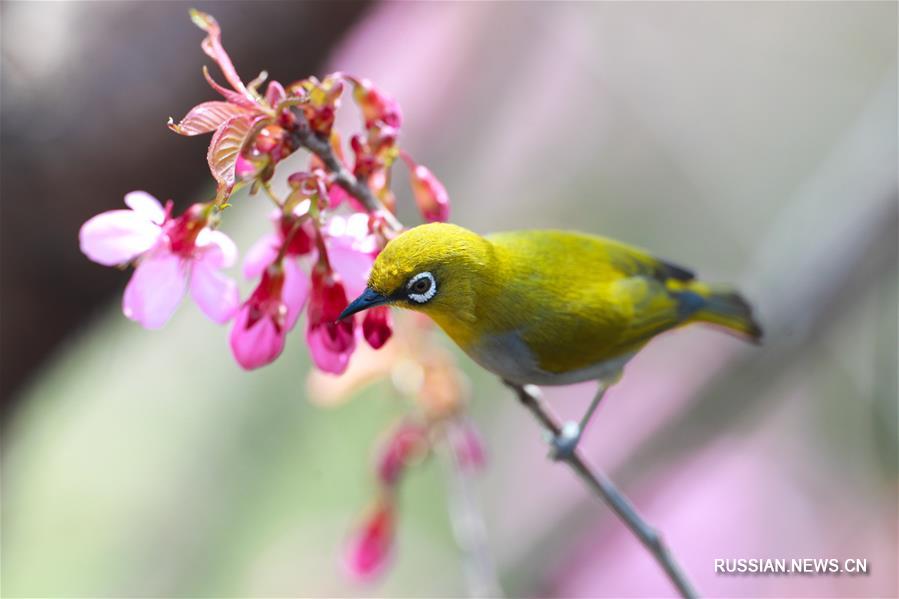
point(562, 446)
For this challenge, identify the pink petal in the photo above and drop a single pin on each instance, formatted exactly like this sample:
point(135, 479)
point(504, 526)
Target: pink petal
point(207, 117)
point(353, 266)
point(337, 195)
point(243, 168)
point(257, 346)
point(295, 291)
point(215, 293)
point(218, 249)
point(117, 236)
point(376, 326)
point(145, 205)
point(155, 289)
point(325, 357)
point(260, 255)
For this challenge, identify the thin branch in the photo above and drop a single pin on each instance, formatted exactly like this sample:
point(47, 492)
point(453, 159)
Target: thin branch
point(468, 523)
point(608, 492)
point(594, 479)
point(342, 175)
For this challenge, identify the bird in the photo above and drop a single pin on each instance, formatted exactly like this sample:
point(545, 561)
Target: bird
point(547, 307)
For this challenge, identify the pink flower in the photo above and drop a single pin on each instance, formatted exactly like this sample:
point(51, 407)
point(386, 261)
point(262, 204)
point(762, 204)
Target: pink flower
point(257, 337)
point(407, 443)
point(429, 192)
point(262, 253)
point(172, 254)
point(369, 548)
point(331, 342)
point(352, 250)
point(376, 326)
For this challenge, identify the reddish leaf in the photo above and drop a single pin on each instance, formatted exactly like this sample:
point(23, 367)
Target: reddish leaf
point(212, 46)
point(207, 117)
point(226, 145)
point(232, 96)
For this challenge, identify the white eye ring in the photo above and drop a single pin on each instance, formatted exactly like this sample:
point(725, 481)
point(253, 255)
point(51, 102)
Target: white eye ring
point(427, 295)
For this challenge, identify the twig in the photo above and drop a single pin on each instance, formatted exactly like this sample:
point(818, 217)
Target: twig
point(594, 478)
point(468, 524)
point(342, 175)
point(608, 492)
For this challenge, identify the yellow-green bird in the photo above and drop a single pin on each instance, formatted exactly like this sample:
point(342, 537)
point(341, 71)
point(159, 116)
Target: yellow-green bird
point(546, 307)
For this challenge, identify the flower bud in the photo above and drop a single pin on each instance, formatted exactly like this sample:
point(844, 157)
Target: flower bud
point(429, 192)
point(376, 326)
point(269, 138)
point(376, 105)
point(369, 547)
point(407, 443)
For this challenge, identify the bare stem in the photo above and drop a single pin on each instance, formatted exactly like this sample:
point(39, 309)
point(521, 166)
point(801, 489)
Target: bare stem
point(468, 525)
point(608, 492)
point(529, 396)
point(342, 175)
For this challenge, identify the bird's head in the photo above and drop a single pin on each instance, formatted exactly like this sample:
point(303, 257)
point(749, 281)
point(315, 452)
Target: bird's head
point(432, 268)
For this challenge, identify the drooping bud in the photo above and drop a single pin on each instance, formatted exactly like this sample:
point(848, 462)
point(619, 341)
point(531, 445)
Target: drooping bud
point(370, 546)
point(376, 105)
point(376, 326)
point(408, 443)
point(429, 192)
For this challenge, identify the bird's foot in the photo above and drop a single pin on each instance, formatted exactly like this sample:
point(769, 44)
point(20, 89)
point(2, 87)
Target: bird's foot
point(562, 446)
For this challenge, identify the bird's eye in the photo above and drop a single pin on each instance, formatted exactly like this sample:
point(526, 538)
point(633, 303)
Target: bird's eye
point(421, 287)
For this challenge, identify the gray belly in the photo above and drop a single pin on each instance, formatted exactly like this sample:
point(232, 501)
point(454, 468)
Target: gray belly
point(509, 357)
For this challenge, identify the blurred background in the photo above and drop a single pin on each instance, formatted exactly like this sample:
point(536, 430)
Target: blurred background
point(755, 142)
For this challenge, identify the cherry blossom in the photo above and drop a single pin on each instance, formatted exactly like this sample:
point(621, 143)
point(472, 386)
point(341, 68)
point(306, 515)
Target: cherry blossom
point(171, 255)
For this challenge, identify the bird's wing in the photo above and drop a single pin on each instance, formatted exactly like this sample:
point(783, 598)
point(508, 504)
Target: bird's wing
point(597, 298)
point(633, 261)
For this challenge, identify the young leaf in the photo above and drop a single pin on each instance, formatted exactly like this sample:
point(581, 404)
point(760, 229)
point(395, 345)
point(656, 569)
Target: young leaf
point(206, 117)
point(226, 145)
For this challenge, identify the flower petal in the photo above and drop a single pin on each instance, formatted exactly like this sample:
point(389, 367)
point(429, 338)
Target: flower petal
point(215, 293)
point(295, 291)
point(331, 345)
point(376, 326)
point(353, 266)
point(260, 255)
point(255, 346)
point(155, 289)
point(207, 117)
point(218, 249)
point(117, 236)
point(146, 205)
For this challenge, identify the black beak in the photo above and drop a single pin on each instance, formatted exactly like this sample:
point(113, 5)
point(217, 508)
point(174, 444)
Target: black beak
point(368, 299)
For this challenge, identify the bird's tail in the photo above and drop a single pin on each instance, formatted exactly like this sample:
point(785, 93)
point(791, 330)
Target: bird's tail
point(726, 308)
